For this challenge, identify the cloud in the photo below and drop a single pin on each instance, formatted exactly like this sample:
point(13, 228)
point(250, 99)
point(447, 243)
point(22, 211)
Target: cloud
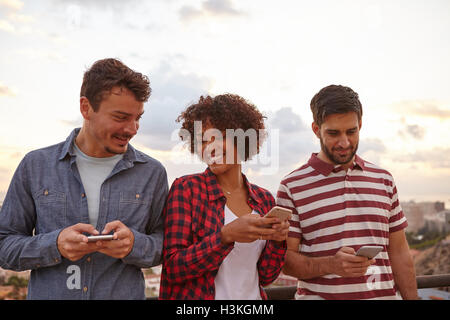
point(372, 150)
point(20, 18)
point(437, 158)
point(220, 7)
point(172, 92)
point(75, 123)
point(371, 144)
point(188, 13)
point(14, 21)
point(287, 121)
point(214, 8)
point(289, 140)
point(414, 131)
point(101, 4)
point(95, 14)
point(6, 26)
point(6, 91)
point(11, 4)
point(424, 108)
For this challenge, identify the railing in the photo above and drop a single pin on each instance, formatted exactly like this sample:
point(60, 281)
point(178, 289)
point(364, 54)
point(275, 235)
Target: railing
point(288, 292)
point(433, 281)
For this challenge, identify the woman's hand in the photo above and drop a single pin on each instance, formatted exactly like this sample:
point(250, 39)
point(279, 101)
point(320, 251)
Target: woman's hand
point(251, 227)
point(282, 230)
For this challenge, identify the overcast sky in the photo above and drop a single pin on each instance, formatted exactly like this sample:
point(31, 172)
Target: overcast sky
point(277, 54)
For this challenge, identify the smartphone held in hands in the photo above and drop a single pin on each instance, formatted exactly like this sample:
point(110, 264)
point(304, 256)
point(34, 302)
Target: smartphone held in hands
point(280, 213)
point(369, 251)
point(100, 238)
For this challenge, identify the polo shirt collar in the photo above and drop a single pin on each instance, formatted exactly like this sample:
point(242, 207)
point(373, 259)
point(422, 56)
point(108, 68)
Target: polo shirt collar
point(359, 163)
point(326, 168)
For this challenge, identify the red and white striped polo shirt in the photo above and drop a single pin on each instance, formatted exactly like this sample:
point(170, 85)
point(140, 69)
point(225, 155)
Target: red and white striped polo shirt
point(333, 208)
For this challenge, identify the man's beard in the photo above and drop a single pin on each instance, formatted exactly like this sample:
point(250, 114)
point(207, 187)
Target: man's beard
point(111, 151)
point(335, 159)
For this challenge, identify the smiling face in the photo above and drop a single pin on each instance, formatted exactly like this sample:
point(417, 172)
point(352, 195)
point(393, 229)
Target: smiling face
point(107, 131)
point(218, 152)
point(339, 138)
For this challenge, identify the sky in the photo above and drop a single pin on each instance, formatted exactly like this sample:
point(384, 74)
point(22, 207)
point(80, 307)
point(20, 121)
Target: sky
point(276, 54)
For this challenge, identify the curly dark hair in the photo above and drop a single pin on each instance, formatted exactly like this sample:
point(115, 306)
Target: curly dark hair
point(226, 111)
point(334, 99)
point(107, 73)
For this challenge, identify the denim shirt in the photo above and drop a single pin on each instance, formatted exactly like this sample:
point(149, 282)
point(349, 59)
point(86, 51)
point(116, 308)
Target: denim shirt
point(46, 195)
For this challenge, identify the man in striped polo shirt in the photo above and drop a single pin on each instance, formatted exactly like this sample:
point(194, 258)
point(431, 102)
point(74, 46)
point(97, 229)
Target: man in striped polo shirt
point(341, 202)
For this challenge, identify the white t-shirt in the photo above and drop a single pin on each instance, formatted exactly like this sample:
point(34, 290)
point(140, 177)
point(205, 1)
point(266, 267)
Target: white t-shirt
point(237, 278)
point(93, 172)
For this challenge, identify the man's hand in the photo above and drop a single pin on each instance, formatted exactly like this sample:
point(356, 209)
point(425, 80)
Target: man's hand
point(73, 244)
point(346, 264)
point(122, 243)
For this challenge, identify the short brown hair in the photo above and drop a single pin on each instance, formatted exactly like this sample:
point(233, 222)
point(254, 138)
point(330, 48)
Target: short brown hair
point(226, 111)
point(334, 99)
point(107, 73)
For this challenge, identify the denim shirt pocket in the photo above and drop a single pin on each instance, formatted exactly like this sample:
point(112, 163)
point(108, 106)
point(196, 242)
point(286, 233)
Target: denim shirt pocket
point(134, 209)
point(51, 208)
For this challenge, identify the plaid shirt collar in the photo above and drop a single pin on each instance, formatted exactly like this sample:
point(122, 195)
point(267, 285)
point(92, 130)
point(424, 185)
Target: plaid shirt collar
point(215, 192)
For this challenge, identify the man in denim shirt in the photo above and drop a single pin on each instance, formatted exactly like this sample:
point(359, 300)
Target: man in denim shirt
point(93, 183)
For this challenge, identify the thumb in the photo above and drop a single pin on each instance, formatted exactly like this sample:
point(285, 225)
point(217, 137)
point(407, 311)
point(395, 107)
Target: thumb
point(348, 250)
point(110, 226)
point(84, 227)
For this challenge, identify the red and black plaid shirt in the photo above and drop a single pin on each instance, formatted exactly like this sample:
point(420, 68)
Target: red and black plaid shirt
point(193, 252)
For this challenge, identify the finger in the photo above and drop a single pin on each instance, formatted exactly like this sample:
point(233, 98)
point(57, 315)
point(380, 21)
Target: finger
point(361, 259)
point(122, 233)
point(110, 226)
point(357, 272)
point(357, 266)
point(348, 250)
point(82, 238)
point(281, 226)
point(351, 257)
point(266, 221)
point(263, 232)
point(279, 236)
point(85, 227)
point(75, 236)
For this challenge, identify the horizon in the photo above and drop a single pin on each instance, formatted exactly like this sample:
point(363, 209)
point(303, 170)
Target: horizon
point(395, 55)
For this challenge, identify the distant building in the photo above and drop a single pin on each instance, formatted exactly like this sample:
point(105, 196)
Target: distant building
point(439, 222)
point(415, 213)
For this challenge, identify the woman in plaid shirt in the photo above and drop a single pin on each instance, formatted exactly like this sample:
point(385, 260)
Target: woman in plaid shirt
point(217, 244)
